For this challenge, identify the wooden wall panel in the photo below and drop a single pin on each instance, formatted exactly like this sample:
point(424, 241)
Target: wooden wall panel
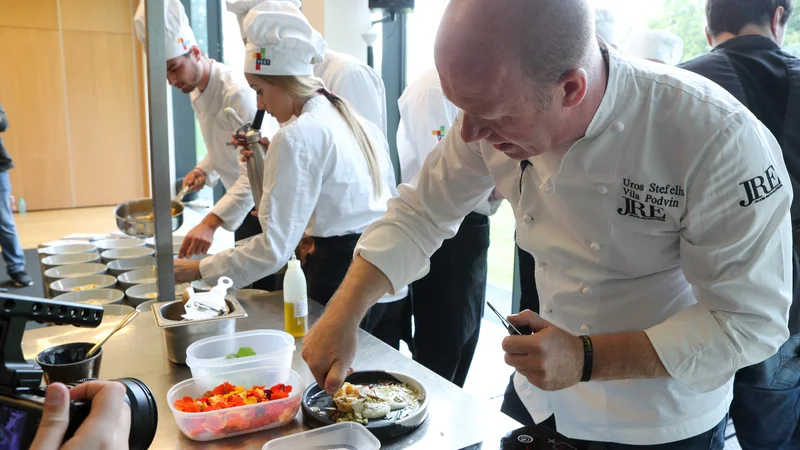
point(82, 15)
point(41, 14)
point(32, 93)
point(104, 120)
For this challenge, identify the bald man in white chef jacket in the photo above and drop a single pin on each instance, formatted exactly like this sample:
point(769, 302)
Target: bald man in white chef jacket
point(656, 206)
point(456, 285)
point(213, 86)
point(344, 75)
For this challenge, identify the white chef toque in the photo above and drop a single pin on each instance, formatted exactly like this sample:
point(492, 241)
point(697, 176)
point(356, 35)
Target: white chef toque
point(242, 7)
point(178, 35)
point(655, 45)
point(280, 41)
point(605, 24)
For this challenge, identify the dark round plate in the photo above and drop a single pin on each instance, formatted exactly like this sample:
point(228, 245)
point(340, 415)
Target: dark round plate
point(397, 423)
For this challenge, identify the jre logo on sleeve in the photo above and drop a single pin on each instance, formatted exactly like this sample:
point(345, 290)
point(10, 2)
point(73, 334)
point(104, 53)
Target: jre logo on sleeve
point(761, 187)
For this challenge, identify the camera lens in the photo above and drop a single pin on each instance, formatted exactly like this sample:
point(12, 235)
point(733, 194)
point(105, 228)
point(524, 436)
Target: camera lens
point(144, 414)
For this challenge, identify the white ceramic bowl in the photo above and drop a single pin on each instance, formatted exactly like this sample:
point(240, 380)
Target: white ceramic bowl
point(63, 242)
point(74, 271)
point(69, 249)
point(110, 244)
point(130, 279)
point(120, 266)
point(64, 260)
point(126, 253)
point(67, 285)
point(145, 292)
point(97, 297)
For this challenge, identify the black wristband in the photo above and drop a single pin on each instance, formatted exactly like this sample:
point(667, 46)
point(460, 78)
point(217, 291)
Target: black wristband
point(588, 358)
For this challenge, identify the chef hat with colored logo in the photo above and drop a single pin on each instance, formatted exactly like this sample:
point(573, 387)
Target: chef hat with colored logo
point(280, 41)
point(178, 35)
point(242, 7)
point(655, 45)
point(605, 24)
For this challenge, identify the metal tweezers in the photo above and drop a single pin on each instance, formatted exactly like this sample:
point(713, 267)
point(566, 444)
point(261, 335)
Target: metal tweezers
point(512, 330)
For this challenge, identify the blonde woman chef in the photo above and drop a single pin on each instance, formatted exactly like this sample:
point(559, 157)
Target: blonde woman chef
point(327, 173)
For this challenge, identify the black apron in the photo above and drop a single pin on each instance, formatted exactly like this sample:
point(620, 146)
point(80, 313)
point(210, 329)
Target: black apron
point(326, 267)
point(790, 144)
point(252, 227)
point(448, 303)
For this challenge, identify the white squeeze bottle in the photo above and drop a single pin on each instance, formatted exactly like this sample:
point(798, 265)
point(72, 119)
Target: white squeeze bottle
point(295, 300)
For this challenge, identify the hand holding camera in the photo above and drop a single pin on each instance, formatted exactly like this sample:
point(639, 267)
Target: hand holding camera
point(107, 425)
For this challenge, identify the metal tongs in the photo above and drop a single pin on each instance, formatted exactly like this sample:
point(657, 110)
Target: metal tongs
point(512, 330)
point(207, 305)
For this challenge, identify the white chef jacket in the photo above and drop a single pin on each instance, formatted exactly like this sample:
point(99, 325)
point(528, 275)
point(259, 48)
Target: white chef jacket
point(426, 117)
point(355, 82)
point(670, 216)
point(316, 181)
point(227, 88)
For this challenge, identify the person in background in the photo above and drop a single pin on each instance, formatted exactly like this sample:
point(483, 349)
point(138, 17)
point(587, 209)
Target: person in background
point(107, 426)
point(327, 173)
point(212, 86)
point(455, 286)
point(344, 75)
point(659, 46)
point(605, 23)
point(13, 255)
point(747, 60)
point(651, 199)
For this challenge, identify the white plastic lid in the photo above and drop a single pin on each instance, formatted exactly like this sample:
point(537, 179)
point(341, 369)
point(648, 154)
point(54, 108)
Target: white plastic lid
point(241, 339)
point(349, 434)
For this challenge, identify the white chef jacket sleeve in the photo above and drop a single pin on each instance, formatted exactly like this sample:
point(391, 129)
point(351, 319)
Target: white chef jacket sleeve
point(207, 166)
point(363, 92)
point(237, 202)
point(735, 249)
point(453, 180)
point(292, 185)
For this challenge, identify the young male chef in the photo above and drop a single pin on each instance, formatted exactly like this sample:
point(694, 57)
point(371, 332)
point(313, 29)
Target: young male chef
point(213, 86)
point(455, 287)
point(343, 74)
point(655, 204)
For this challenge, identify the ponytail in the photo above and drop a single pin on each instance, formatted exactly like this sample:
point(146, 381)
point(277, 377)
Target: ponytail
point(357, 128)
point(303, 88)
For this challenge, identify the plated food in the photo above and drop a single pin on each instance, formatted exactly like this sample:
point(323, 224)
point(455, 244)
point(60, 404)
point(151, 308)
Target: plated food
point(362, 402)
point(85, 287)
point(389, 404)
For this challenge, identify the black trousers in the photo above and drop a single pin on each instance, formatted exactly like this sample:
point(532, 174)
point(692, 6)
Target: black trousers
point(252, 227)
point(325, 270)
point(512, 405)
point(448, 303)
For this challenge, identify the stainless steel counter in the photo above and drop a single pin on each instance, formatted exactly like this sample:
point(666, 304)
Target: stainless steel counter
point(456, 418)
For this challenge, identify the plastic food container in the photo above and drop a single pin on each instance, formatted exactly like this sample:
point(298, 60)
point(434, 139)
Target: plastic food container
point(273, 348)
point(212, 425)
point(344, 435)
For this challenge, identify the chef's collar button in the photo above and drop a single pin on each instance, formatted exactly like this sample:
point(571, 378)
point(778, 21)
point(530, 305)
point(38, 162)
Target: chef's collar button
point(619, 127)
point(527, 218)
point(586, 290)
point(595, 246)
point(585, 328)
point(548, 311)
point(602, 189)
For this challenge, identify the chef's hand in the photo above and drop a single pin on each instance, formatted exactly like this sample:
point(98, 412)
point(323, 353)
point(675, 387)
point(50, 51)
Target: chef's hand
point(330, 359)
point(199, 239)
point(551, 359)
point(195, 179)
point(107, 426)
point(238, 141)
point(187, 270)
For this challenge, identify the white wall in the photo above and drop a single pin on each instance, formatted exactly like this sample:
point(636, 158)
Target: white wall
point(345, 22)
